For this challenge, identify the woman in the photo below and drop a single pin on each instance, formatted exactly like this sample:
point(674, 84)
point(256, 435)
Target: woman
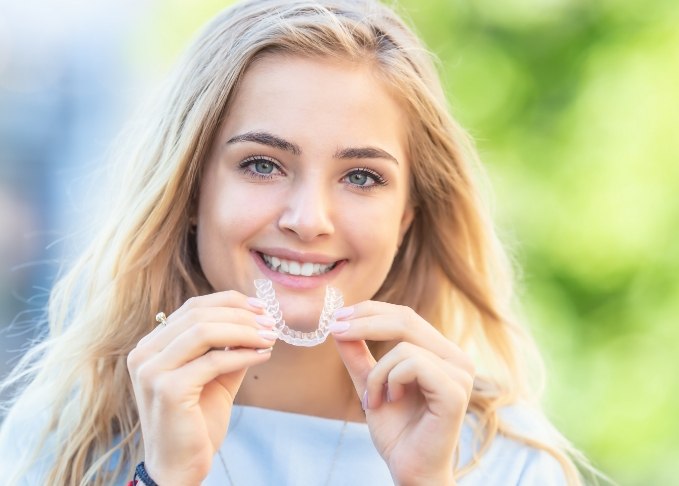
point(307, 143)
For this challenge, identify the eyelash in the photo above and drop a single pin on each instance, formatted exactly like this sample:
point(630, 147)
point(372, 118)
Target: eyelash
point(377, 178)
point(245, 167)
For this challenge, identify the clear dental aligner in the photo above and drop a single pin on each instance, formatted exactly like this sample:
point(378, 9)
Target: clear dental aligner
point(333, 301)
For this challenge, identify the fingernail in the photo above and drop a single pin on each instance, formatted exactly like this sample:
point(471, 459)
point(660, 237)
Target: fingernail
point(266, 334)
point(364, 400)
point(264, 350)
point(256, 303)
point(265, 321)
point(343, 312)
point(338, 327)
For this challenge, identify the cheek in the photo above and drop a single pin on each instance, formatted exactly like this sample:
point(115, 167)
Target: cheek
point(373, 233)
point(232, 206)
point(374, 252)
point(228, 216)
point(233, 221)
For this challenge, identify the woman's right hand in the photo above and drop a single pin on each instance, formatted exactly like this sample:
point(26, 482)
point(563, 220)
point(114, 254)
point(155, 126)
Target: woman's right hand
point(185, 376)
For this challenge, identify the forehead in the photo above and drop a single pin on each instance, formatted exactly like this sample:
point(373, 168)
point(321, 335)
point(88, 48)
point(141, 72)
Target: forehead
point(317, 99)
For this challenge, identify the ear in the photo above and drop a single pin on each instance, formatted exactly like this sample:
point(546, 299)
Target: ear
point(193, 224)
point(406, 221)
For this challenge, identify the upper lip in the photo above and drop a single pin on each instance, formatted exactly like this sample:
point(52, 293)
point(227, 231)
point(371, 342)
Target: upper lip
point(297, 256)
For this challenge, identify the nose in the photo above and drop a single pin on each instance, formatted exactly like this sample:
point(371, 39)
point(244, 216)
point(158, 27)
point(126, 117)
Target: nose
point(307, 211)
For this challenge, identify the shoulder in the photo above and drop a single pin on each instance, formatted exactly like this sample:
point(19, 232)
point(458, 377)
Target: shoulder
point(510, 461)
point(25, 451)
point(29, 449)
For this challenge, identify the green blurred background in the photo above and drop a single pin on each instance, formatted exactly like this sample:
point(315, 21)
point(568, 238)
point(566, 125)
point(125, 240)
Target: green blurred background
point(574, 106)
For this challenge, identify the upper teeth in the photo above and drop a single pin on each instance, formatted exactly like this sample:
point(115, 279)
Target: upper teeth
point(292, 267)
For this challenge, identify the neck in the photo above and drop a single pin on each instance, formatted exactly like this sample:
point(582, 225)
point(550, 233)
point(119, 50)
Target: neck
point(309, 381)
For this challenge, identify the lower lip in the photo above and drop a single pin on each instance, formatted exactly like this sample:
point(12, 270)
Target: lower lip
point(296, 281)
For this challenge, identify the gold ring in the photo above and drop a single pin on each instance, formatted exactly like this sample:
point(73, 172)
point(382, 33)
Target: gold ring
point(161, 318)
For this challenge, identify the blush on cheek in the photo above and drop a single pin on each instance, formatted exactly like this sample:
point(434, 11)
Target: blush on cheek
point(250, 204)
point(371, 278)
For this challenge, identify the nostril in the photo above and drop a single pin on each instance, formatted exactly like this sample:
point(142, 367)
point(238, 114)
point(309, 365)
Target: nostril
point(307, 223)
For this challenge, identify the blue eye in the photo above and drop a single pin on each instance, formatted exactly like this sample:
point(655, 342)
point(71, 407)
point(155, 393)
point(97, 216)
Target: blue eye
point(260, 166)
point(263, 166)
point(359, 178)
point(365, 178)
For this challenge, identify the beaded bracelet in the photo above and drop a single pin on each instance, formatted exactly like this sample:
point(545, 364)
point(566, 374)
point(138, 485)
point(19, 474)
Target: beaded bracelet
point(140, 474)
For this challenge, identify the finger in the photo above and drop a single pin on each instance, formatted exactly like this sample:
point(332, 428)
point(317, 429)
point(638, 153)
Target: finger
point(178, 324)
point(227, 298)
point(381, 321)
point(358, 361)
point(200, 338)
point(376, 385)
point(216, 363)
point(146, 338)
point(446, 397)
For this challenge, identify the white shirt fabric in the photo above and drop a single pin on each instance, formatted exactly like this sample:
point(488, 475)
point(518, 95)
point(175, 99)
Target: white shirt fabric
point(269, 447)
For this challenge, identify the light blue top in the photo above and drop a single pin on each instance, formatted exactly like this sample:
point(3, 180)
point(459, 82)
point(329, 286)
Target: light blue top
point(268, 447)
point(265, 447)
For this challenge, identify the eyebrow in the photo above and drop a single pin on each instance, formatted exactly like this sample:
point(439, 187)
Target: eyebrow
point(268, 139)
point(271, 140)
point(364, 153)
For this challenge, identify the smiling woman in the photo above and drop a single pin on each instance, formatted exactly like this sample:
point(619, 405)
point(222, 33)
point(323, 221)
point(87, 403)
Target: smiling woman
point(307, 144)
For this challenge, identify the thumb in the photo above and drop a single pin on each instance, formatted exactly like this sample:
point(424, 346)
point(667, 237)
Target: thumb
point(358, 360)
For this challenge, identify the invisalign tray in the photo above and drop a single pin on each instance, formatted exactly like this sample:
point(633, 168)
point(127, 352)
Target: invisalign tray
point(333, 301)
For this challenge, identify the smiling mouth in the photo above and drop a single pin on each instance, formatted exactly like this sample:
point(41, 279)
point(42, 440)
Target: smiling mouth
point(292, 267)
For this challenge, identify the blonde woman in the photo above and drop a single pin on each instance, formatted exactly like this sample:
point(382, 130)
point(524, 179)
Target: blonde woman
point(306, 143)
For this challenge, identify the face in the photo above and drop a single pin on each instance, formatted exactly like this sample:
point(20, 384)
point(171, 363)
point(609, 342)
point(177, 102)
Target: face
point(306, 185)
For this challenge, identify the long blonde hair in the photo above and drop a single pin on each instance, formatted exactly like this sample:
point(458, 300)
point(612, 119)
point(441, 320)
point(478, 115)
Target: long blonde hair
point(450, 267)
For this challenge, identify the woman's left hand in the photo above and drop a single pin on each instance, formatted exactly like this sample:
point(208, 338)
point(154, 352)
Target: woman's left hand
point(415, 397)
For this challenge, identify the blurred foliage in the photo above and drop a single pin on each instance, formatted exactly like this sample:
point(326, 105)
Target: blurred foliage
point(574, 106)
